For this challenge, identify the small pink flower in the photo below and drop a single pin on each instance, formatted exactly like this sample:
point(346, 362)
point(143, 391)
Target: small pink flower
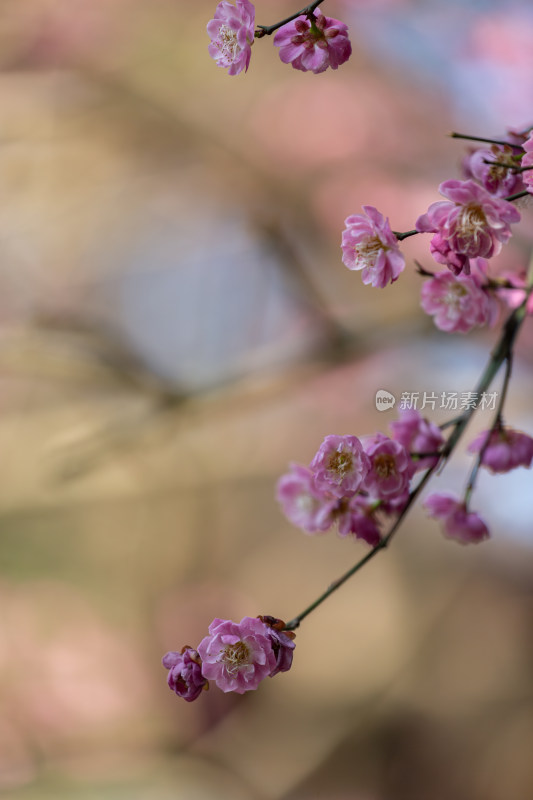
point(464, 526)
point(497, 180)
point(418, 435)
point(282, 643)
point(506, 450)
point(357, 519)
point(314, 45)
point(515, 297)
point(232, 35)
point(185, 673)
point(340, 465)
point(302, 502)
point(391, 468)
point(368, 243)
point(237, 655)
point(473, 223)
point(458, 303)
point(527, 161)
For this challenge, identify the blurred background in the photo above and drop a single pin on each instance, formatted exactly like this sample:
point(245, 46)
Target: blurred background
point(176, 326)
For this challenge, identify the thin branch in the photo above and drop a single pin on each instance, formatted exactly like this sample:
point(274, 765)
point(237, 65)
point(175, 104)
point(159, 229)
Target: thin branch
point(514, 167)
point(294, 623)
point(455, 135)
point(516, 196)
point(496, 423)
point(268, 30)
point(501, 352)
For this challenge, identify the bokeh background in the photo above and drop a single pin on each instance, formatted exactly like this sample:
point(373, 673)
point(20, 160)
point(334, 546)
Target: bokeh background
point(176, 325)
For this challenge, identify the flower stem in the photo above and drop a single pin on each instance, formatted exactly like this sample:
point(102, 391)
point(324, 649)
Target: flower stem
point(496, 423)
point(294, 623)
point(268, 30)
point(455, 135)
point(515, 168)
point(516, 196)
point(501, 352)
point(404, 235)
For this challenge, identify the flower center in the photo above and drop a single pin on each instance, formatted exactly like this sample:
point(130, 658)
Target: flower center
point(472, 221)
point(340, 464)
point(367, 251)
point(234, 656)
point(385, 465)
point(454, 294)
point(227, 42)
point(496, 172)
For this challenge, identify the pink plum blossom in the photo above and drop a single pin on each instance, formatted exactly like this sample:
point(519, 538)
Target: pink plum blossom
point(459, 523)
point(369, 244)
point(282, 643)
point(358, 520)
point(471, 223)
point(302, 502)
point(457, 303)
point(237, 655)
point(527, 161)
point(340, 465)
point(232, 35)
point(185, 673)
point(313, 44)
point(498, 180)
point(418, 435)
point(516, 296)
point(391, 468)
point(506, 449)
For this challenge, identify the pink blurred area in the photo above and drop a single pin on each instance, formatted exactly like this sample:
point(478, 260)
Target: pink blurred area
point(176, 325)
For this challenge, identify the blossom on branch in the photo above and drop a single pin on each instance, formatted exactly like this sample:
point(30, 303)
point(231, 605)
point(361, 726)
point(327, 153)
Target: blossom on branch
point(237, 655)
point(458, 303)
point(340, 465)
point(303, 503)
point(232, 35)
point(369, 244)
point(359, 521)
point(506, 449)
point(185, 673)
point(498, 180)
point(391, 468)
point(313, 43)
point(282, 643)
point(460, 524)
point(472, 223)
point(418, 435)
point(514, 297)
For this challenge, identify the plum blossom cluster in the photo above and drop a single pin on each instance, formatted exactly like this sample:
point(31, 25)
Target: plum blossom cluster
point(469, 227)
point(310, 42)
point(500, 449)
point(353, 484)
point(237, 656)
